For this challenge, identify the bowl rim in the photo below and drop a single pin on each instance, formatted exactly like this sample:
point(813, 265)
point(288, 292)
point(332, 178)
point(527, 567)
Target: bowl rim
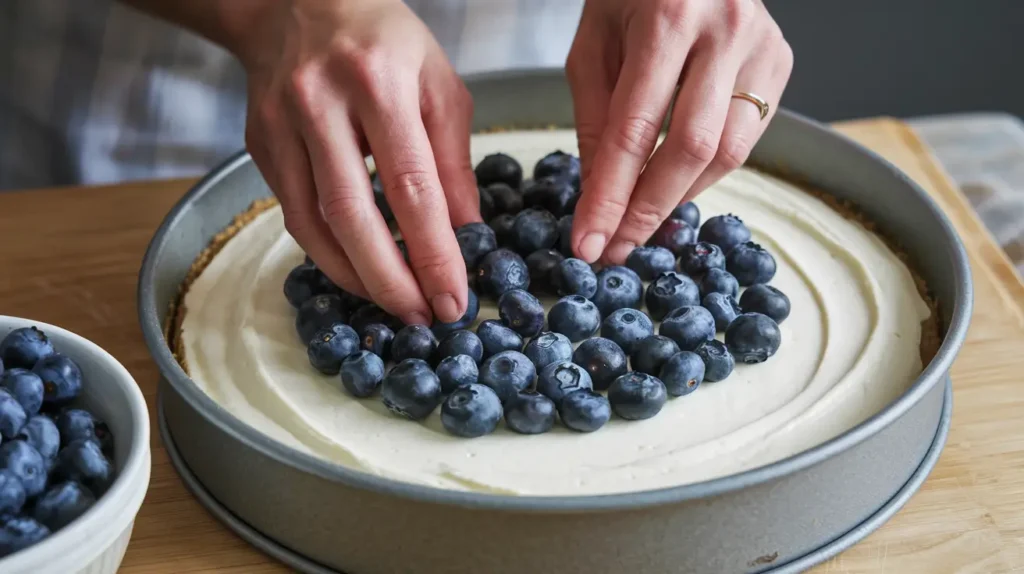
point(934, 372)
point(126, 484)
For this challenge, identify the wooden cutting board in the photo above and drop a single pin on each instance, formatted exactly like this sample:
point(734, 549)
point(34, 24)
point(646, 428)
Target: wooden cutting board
point(70, 257)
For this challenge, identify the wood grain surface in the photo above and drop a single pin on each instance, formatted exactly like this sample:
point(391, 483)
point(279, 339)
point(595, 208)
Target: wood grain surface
point(71, 256)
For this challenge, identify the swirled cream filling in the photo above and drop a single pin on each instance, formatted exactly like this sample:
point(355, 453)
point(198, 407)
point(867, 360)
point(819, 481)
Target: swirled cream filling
point(850, 347)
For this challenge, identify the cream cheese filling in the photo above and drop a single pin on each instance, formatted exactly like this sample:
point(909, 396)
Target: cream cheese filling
point(850, 347)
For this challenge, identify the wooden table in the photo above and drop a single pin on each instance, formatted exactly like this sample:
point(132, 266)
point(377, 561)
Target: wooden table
point(70, 257)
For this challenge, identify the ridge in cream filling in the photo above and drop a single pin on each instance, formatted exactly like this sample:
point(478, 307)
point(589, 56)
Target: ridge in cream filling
point(849, 348)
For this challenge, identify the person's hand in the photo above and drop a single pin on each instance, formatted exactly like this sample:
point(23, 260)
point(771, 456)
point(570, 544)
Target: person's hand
point(624, 66)
point(332, 81)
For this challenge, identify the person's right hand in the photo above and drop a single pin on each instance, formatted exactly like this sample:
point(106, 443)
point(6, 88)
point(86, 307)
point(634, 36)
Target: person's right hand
point(332, 81)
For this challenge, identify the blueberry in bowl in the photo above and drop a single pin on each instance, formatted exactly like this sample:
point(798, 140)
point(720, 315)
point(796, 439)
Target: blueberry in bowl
point(673, 235)
point(560, 165)
point(767, 300)
point(697, 258)
point(82, 479)
point(618, 287)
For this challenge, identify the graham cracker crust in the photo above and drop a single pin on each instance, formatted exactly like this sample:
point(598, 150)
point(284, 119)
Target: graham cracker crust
point(931, 328)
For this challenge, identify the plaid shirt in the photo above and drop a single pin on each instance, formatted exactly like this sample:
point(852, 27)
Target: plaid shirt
point(94, 92)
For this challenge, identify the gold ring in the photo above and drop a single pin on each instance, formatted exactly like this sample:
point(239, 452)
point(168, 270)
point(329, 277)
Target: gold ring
point(756, 100)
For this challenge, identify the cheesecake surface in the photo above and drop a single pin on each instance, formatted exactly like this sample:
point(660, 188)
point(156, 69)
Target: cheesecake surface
point(851, 345)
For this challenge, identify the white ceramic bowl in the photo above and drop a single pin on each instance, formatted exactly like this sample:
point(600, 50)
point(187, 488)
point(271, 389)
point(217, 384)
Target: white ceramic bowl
point(95, 543)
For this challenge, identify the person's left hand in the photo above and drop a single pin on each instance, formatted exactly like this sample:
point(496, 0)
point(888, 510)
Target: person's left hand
point(628, 58)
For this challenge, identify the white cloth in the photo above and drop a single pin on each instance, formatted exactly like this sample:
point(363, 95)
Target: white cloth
point(95, 92)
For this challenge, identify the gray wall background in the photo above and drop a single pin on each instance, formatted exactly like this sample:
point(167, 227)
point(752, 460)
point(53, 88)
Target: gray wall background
point(858, 58)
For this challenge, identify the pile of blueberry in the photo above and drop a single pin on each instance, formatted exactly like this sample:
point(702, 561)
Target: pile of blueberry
point(515, 368)
point(54, 458)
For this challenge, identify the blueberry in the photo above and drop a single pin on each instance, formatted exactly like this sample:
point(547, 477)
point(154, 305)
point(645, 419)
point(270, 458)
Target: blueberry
point(12, 495)
point(550, 194)
point(414, 342)
point(565, 235)
point(23, 348)
point(753, 338)
point(584, 410)
point(670, 291)
point(467, 319)
point(603, 359)
point(766, 300)
point(305, 281)
point(697, 258)
point(329, 347)
point(627, 327)
point(80, 424)
point(534, 229)
point(718, 362)
point(62, 379)
point(61, 504)
point(496, 338)
point(41, 433)
point(522, 312)
point(673, 235)
point(560, 165)
point(376, 338)
point(682, 373)
point(507, 373)
point(498, 168)
point(650, 261)
point(370, 314)
point(26, 463)
point(83, 461)
point(541, 264)
point(688, 327)
point(471, 411)
point(637, 396)
point(457, 371)
point(475, 240)
point(26, 387)
point(574, 277)
point(19, 533)
point(502, 226)
point(651, 353)
point(750, 263)
point(502, 270)
point(723, 308)
point(617, 288)
point(725, 231)
point(719, 281)
point(563, 377)
point(507, 199)
point(688, 212)
point(570, 207)
point(575, 317)
point(530, 413)
point(487, 210)
point(411, 389)
point(362, 373)
point(461, 342)
point(319, 312)
point(547, 348)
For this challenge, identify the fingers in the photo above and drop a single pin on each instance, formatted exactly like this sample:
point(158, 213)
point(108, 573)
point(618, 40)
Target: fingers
point(690, 145)
point(636, 114)
point(405, 160)
point(591, 68)
point(281, 155)
point(765, 74)
point(447, 116)
point(346, 201)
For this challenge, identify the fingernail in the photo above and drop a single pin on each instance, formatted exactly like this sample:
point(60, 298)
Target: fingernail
point(445, 308)
point(592, 246)
point(416, 319)
point(618, 251)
